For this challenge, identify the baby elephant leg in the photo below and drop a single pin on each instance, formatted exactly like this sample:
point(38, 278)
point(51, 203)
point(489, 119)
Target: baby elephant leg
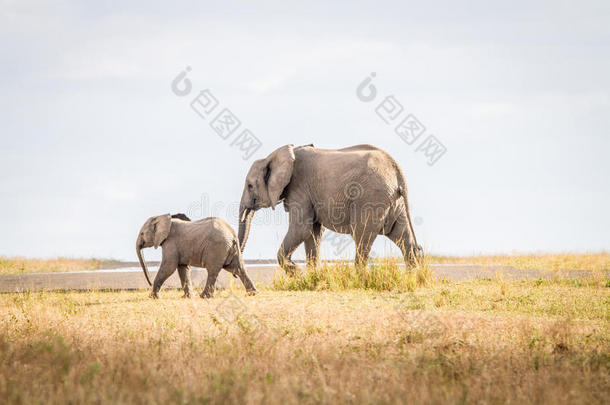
point(165, 270)
point(237, 267)
point(210, 284)
point(184, 271)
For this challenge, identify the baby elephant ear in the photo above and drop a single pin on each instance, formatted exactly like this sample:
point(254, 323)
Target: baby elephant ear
point(162, 224)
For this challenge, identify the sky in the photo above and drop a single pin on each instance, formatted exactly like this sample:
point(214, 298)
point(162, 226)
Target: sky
point(93, 140)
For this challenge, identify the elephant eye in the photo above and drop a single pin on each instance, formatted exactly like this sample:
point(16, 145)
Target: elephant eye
point(250, 186)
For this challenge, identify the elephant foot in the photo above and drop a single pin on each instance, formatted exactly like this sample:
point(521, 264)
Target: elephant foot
point(312, 262)
point(154, 295)
point(207, 294)
point(251, 292)
point(290, 268)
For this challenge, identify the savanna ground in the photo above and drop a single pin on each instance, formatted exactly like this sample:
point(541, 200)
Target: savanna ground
point(333, 336)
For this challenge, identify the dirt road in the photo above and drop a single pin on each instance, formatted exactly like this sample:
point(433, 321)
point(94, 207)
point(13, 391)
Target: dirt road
point(128, 278)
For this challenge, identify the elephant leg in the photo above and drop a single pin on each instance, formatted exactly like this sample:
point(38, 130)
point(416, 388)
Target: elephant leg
point(184, 271)
point(312, 245)
point(210, 284)
point(397, 237)
point(364, 242)
point(237, 267)
point(299, 229)
point(292, 240)
point(400, 236)
point(166, 269)
point(248, 284)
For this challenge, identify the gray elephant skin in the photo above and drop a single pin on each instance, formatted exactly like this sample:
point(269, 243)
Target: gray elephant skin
point(209, 243)
point(359, 190)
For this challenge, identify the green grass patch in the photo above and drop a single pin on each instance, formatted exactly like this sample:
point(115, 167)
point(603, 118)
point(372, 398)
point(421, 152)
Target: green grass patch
point(382, 275)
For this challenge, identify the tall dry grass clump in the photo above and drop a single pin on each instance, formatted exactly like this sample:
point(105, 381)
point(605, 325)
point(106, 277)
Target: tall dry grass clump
point(387, 274)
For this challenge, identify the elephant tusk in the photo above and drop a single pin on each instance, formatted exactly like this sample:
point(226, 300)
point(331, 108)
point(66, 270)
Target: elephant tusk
point(244, 213)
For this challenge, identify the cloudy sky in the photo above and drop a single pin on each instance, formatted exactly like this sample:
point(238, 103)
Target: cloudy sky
point(93, 141)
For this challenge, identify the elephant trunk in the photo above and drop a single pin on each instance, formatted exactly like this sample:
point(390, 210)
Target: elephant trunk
point(245, 219)
point(142, 262)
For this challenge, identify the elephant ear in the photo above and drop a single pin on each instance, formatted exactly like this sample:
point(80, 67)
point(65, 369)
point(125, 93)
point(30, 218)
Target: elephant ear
point(162, 225)
point(281, 163)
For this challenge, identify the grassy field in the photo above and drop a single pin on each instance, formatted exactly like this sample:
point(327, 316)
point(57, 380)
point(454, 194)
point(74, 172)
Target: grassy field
point(537, 261)
point(313, 342)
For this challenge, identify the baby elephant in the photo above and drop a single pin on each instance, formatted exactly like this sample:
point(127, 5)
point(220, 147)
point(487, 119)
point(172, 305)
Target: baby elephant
point(209, 243)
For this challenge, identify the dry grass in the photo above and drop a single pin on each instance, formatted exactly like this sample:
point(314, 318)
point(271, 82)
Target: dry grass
point(535, 261)
point(481, 341)
point(12, 265)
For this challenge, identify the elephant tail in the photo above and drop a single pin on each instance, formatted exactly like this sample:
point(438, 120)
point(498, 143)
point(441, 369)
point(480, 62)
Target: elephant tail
point(402, 192)
point(402, 184)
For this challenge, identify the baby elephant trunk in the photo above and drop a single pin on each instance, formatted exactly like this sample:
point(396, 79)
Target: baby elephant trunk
point(141, 259)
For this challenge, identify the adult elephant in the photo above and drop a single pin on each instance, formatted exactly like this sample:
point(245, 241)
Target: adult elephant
point(358, 190)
